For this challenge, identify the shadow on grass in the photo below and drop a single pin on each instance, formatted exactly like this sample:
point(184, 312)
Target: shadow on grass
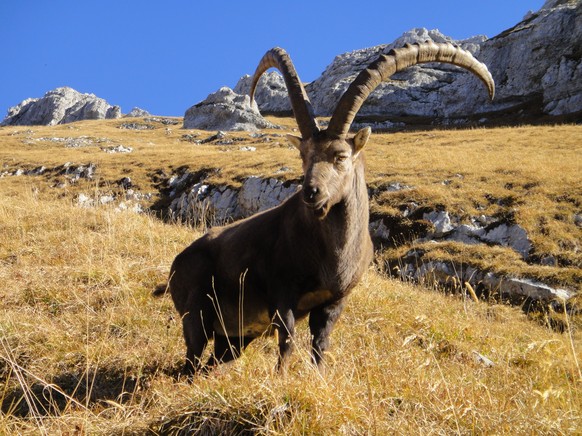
point(75, 390)
point(242, 419)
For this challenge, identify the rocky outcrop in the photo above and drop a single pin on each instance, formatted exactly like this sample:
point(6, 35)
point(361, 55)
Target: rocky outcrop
point(186, 197)
point(417, 91)
point(137, 112)
point(537, 64)
point(448, 274)
point(479, 232)
point(225, 110)
point(537, 67)
point(200, 202)
point(271, 93)
point(60, 106)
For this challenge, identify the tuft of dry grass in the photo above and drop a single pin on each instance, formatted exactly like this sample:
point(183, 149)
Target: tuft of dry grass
point(84, 347)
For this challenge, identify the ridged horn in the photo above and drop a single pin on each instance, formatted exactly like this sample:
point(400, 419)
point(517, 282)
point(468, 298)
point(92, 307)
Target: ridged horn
point(278, 58)
point(396, 60)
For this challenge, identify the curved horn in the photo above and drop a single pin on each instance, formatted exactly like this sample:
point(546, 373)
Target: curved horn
point(396, 60)
point(278, 58)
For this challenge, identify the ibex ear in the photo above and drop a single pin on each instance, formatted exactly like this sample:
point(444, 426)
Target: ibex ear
point(361, 139)
point(295, 140)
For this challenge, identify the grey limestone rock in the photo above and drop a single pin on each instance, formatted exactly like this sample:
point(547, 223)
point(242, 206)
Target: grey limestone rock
point(411, 92)
point(446, 273)
point(222, 204)
point(537, 65)
point(271, 93)
point(258, 194)
point(138, 113)
point(225, 110)
point(60, 106)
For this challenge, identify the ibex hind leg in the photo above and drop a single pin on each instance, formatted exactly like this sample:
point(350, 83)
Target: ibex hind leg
point(197, 328)
point(285, 323)
point(190, 278)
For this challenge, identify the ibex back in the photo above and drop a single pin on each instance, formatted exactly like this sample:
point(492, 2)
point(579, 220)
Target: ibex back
point(304, 256)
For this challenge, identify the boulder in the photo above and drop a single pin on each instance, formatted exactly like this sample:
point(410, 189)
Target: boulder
point(60, 106)
point(271, 92)
point(225, 110)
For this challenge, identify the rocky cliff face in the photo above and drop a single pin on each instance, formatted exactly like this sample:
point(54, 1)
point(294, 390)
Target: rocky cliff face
point(537, 67)
point(60, 106)
point(537, 64)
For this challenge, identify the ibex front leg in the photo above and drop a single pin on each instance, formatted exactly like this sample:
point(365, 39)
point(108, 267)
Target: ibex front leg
point(321, 322)
point(285, 323)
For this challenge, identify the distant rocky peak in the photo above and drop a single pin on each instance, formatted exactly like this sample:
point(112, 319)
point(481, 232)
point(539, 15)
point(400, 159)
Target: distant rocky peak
point(60, 106)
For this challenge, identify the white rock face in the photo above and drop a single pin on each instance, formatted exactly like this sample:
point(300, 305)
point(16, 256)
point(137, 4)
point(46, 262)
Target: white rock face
point(441, 221)
point(537, 63)
point(225, 110)
point(60, 106)
point(258, 194)
point(510, 235)
point(441, 272)
point(416, 91)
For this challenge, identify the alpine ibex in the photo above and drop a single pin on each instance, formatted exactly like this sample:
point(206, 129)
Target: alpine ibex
point(304, 256)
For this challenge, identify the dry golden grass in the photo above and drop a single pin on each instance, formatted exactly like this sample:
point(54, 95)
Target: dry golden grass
point(84, 348)
point(78, 319)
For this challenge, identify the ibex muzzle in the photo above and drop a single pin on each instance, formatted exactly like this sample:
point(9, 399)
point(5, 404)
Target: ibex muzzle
point(303, 257)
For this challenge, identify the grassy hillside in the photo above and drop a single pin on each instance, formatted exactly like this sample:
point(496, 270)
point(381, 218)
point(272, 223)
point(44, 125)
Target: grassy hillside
point(86, 349)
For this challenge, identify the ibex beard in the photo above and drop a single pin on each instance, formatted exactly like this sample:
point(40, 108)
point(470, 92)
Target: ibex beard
point(303, 257)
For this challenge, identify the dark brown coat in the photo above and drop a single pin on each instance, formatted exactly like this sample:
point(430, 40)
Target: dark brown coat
point(239, 281)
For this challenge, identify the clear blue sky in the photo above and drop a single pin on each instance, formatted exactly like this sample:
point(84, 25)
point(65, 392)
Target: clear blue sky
point(165, 56)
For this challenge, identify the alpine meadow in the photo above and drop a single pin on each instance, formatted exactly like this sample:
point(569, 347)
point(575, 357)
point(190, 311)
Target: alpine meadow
point(87, 234)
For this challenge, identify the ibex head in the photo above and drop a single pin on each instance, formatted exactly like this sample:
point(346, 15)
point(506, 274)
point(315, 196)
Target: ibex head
point(329, 157)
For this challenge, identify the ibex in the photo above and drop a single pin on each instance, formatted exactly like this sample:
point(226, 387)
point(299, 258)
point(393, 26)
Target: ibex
point(304, 256)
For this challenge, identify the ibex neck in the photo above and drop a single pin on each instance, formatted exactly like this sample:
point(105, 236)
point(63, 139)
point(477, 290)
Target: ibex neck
point(347, 221)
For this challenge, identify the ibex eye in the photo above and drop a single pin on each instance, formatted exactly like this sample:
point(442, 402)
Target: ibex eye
point(339, 158)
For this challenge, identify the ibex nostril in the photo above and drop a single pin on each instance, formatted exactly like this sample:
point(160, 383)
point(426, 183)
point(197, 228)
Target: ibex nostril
point(309, 193)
